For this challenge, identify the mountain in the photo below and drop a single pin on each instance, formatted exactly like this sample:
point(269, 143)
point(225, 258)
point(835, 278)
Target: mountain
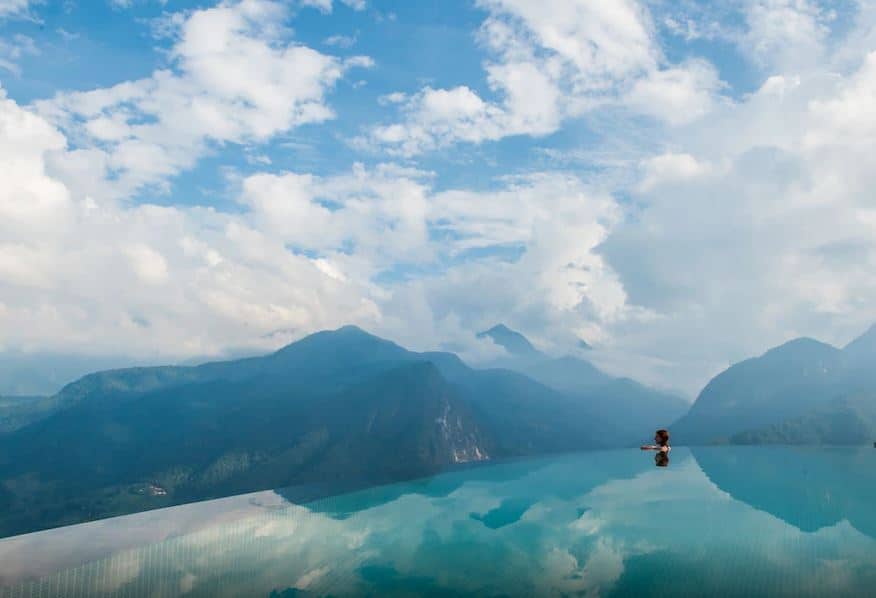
point(845, 421)
point(512, 341)
point(339, 406)
point(862, 351)
point(784, 382)
point(567, 374)
point(44, 373)
point(830, 486)
point(630, 411)
point(18, 411)
point(635, 410)
point(800, 377)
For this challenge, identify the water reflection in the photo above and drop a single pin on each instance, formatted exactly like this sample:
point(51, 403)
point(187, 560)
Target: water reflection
point(574, 524)
point(809, 487)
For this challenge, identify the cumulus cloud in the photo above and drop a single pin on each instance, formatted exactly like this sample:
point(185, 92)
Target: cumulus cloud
point(81, 267)
point(549, 63)
point(664, 169)
point(234, 78)
point(677, 95)
point(306, 253)
point(758, 226)
point(143, 280)
point(785, 34)
point(536, 240)
point(378, 215)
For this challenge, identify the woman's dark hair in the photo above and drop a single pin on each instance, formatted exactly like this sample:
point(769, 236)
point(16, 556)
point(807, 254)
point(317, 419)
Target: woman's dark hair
point(661, 459)
point(662, 437)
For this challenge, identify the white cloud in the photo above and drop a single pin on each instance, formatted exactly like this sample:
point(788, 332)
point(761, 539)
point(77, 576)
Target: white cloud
point(550, 62)
point(235, 79)
point(14, 8)
point(756, 227)
point(341, 41)
point(327, 5)
point(307, 253)
point(67, 36)
point(785, 34)
point(321, 5)
point(677, 95)
point(437, 117)
point(82, 275)
point(602, 41)
point(13, 49)
point(556, 287)
point(149, 265)
point(669, 168)
point(381, 214)
point(396, 97)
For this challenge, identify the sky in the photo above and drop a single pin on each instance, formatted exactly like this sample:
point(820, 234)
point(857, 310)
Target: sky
point(679, 184)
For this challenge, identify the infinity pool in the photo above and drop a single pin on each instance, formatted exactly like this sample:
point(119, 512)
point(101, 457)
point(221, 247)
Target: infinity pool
point(740, 521)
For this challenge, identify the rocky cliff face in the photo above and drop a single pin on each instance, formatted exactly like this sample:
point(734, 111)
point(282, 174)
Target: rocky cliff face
point(463, 439)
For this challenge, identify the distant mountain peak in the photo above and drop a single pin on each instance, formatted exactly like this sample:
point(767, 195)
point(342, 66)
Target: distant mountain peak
point(512, 341)
point(861, 352)
point(349, 331)
point(343, 334)
point(864, 344)
point(499, 329)
point(800, 346)
point(350, 328)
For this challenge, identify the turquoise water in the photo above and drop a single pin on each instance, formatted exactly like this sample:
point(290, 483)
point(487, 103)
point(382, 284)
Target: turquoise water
point(740, 521)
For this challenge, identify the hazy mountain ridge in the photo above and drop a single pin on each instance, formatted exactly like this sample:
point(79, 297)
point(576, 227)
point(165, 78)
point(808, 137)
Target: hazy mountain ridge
point(512, 341)
point(339, 405)
point(849, 420)
point(347, 407)
point(18, 411)
point(801, 383)
point(630, 409)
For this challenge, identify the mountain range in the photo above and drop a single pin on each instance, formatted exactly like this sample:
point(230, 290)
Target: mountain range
point(632, 410)
point(343, 409)
point(340, 406)
point(802, 392)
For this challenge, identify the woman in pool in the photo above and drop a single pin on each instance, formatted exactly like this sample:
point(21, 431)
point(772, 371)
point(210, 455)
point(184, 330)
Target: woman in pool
point(661, 437)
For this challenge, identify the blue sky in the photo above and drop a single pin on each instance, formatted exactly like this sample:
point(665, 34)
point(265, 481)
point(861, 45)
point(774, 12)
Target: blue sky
point(680, 184)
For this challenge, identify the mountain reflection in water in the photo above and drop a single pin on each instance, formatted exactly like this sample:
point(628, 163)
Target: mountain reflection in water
point(743, 521)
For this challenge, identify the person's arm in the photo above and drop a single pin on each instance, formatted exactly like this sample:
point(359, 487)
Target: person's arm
point(649, 447)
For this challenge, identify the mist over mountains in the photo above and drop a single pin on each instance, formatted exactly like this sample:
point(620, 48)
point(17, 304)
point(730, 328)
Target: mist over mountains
point(343, 409)
point(42, 373)
point(631, 409)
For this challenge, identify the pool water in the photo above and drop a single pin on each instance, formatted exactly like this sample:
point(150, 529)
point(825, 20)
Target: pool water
point(740, 521)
